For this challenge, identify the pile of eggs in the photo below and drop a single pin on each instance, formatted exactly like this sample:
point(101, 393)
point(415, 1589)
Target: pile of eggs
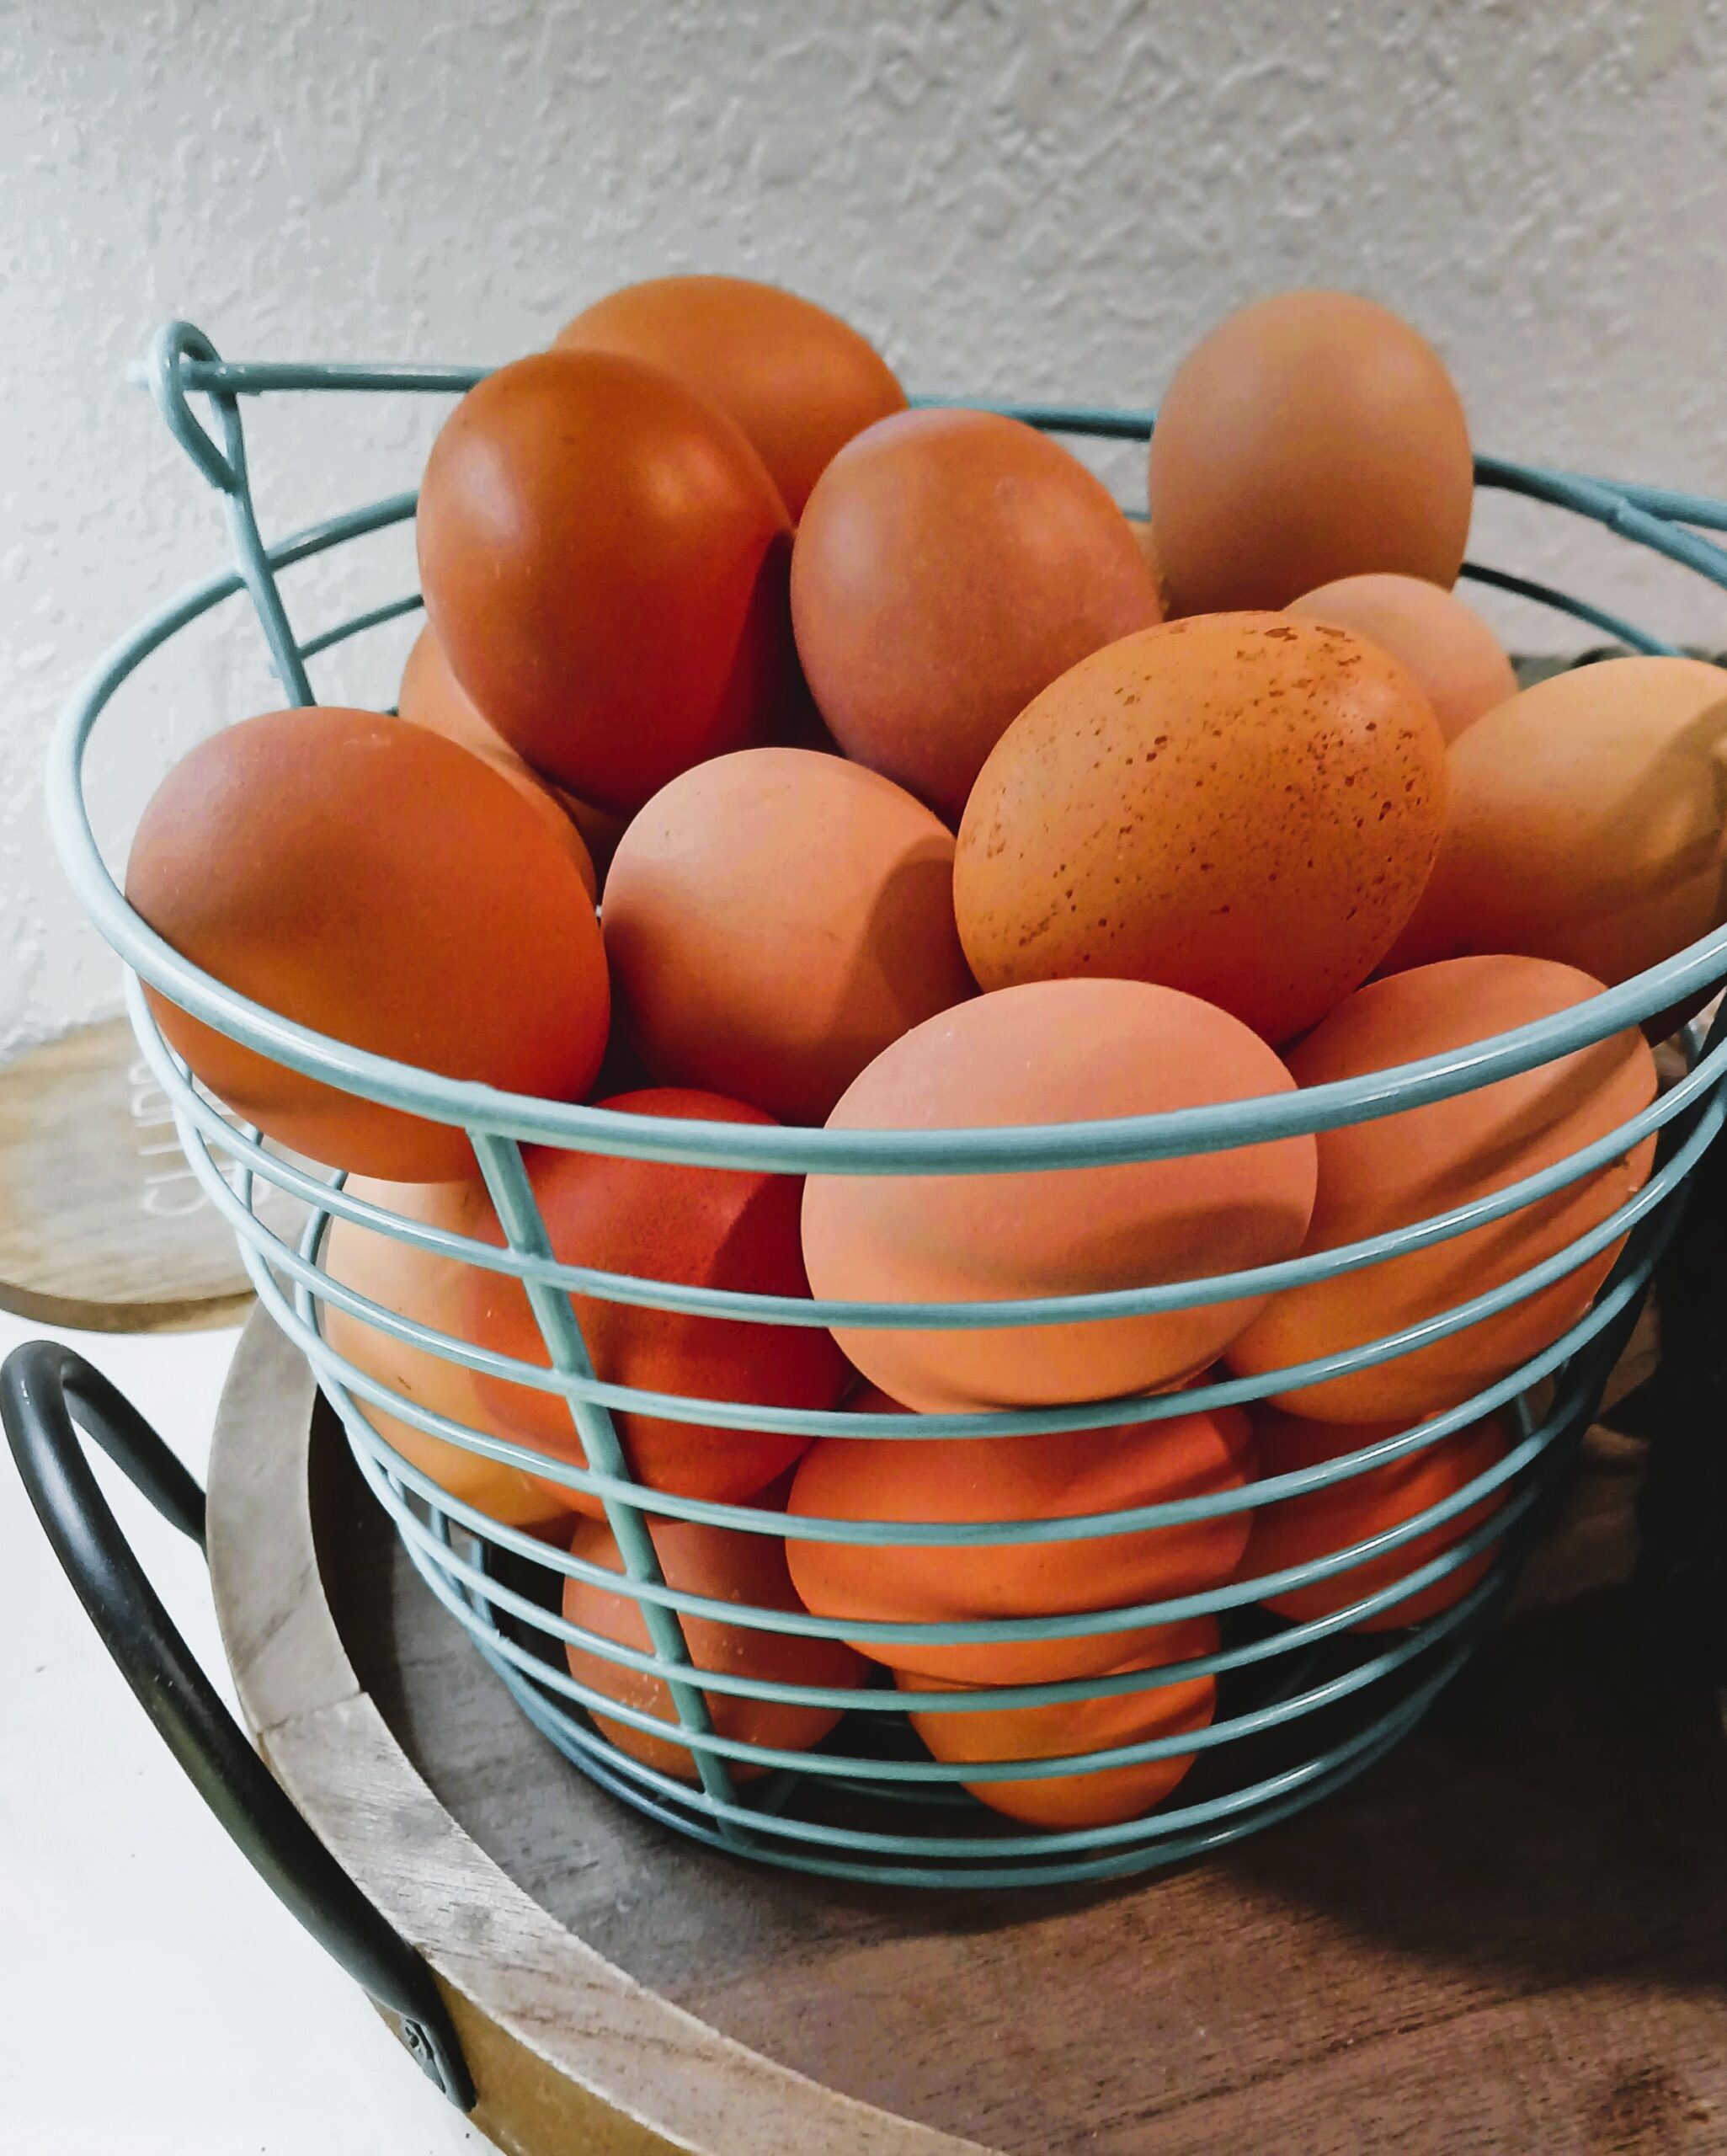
point(774, 753)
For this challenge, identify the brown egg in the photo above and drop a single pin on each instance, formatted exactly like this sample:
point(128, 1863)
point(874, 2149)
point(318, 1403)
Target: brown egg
point(432, 1291)
point(799, 381)
point(1054, 1052)
point(1298, 1530)
point(1244, 806)
point(383, 886)
point(725, 1565)
point(1422, 1162)
point(1311, 437)
point(431, 696)
point(1462, 667)
point(948, 566)
point(1586, 822)
point(775, 919)
point(1062, 1474)
point(604, 558)
point(1096, 1798)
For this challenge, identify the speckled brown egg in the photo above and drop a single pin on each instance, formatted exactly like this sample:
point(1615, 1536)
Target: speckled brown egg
point(1243, 806)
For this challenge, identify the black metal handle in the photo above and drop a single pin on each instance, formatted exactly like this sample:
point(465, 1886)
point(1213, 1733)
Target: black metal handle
point(47, 1395)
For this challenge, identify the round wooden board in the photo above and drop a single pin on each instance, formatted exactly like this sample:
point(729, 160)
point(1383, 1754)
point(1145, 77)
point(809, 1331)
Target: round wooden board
point(1505, 1937)
point(103, 1225)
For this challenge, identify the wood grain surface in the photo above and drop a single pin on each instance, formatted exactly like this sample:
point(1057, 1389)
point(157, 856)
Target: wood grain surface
point(1507, 1937)
point(103, 1225)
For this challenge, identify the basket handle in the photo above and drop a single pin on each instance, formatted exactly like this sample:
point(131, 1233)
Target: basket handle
point(47, 1395)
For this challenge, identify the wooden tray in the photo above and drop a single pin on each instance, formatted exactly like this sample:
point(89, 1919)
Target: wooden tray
point(103, 1225)
point(1508, 1937)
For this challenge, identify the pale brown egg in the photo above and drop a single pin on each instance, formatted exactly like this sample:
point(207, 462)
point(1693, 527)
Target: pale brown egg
point(1064, 1051)
point(1400, 1168)
point(1586, 822)
point(1461, 666)
point(1312, 435)
point(775, 919)
point(432, 1291)
point(951, 564)
point(1244, 806)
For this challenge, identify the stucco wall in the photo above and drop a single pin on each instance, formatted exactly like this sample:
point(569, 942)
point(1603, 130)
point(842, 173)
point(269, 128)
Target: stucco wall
point(1012, 198)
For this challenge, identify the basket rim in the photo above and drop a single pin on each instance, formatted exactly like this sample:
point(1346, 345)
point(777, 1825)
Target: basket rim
point(792, 1149)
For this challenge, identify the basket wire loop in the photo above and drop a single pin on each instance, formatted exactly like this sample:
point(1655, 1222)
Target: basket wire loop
point(175, 343)
point(302, 1266)
point(1620, 1292)
point(341, 1376)
point(751, 1307)
point(1118, 1685)
point(1543, 594)
point(1122, 1412)
point(503, 1584)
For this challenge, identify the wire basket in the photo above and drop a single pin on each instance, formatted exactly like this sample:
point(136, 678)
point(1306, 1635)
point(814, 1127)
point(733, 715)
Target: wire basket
point(1300, 1707)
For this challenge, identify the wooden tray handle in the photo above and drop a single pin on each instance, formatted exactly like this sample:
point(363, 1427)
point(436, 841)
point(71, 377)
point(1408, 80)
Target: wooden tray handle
point(47, 1395)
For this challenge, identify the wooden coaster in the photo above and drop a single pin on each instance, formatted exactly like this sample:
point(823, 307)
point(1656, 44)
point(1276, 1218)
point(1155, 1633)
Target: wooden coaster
point(1507, 1936)
point(103, 1225)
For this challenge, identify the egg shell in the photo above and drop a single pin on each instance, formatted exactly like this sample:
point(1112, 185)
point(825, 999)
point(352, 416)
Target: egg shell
point(432, 1291)
point(1107, 1794)
point(1060, 1476)
point(725, 1565)
point(1312, 435)
point(798, 381)
point(1461, 666)
point(699, 1227)
point(774, 920)
point(1298, 1530)
point(1586, 823)
point(431, 696)
point(948, 566)
point(1055, 1052)
point(1420, 1162)
point(1243, 806)
point(604, 558)
point(384, 887)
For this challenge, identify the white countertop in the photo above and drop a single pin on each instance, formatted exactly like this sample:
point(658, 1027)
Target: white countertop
point(155, 1999)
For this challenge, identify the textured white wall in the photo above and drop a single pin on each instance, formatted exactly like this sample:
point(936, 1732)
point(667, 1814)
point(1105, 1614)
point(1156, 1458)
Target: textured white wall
point(1031, 196)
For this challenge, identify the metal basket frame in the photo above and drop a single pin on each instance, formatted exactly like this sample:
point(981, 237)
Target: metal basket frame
point(468, 1561)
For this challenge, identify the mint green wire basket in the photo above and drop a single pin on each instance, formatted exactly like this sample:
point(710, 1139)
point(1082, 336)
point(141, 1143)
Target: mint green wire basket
point(1300, 1708)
